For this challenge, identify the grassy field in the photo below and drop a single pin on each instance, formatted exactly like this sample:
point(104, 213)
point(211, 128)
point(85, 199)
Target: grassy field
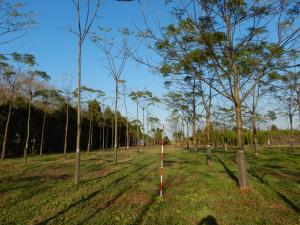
point(42, 192)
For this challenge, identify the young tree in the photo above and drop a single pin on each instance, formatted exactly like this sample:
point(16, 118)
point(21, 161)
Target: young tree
point(68, 95)
point(14, 21)
point(205, 41)
point(136, 97)
point(84, 23)
point(123, 82)
point(47, 97)
point(12, 82)
point(116, 60)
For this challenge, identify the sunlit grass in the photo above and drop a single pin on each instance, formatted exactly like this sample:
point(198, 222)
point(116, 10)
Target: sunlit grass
point(42, 192)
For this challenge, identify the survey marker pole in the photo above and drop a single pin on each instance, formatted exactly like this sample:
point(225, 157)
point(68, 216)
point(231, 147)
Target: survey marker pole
point(161, 162)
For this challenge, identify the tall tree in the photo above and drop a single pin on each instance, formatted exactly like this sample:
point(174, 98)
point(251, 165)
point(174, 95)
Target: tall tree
point(14, 21)
point(12, 82)
point(205, 41)
point(85, 21)
point(123, 82)
point(116, 60)
point(47, 97)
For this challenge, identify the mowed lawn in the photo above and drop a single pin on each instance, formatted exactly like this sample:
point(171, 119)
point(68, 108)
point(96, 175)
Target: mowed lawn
point(42, 192)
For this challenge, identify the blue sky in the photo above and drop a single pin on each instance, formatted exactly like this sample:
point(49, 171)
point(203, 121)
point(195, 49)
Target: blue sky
point(56, 49)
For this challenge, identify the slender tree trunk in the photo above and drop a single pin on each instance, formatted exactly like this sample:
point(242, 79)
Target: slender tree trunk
point(254, 134)
point(89, 138)
point(292, 132)
point(187, 136)
point(112, 135)
point(208, 141)
point(103, 135)
point(137, 128)
point(28, 127)
point(116, 125)
point(147, 129)
point(6, 130)
point(43, 129)
point(143, 127)
point(66, 130)
point(77, 162)
point(127, 132)
point(194, 125)
point(106, 138)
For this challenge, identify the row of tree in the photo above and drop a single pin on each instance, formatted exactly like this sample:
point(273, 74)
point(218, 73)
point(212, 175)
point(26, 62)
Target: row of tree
point(227, 52)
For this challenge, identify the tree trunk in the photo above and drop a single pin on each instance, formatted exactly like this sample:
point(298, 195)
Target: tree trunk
point(143, 127)
point(127, 132)
point(194, 124)
point(254, 135)
point(112, 135)
point(137, 128)
point(103, 135)
point(28, 128)
point(66, 130)
point(292, 132)
point(106, 138)
point(43, 129)
point(89, 138)
point(241, 162)
point(77, 162)
point(6, 130)
point(187, 136)
point(116, 125)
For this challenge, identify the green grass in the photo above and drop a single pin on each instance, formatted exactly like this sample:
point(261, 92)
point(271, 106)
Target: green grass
point(42, 192)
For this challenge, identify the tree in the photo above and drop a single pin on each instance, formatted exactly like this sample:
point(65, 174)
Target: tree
point(179, 103)
point(123, 82)
point(84, 24)
point(287, 98)
point(154, 122)
point(68, 95)
point(29, 89)
point(47, 97)
point(93, 115)
point(12, 81)
point(136, 97)
point(115, 65)
point(14, 21)
point(205, 41)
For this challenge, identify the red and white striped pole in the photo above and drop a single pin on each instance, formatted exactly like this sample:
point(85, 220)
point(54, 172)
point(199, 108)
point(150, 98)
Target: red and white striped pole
point(161, 162)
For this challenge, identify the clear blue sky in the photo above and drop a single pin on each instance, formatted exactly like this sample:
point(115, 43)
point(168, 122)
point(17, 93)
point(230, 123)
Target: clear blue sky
point(56, 52)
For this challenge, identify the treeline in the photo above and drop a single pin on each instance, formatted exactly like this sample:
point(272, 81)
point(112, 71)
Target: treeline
point(220, 137)
point(101, 130)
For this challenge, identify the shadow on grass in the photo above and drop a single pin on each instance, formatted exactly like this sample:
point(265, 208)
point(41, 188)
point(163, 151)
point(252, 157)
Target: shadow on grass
point(31, 181)
point(154, 197)
point(283, 197)
point(110, 202)
point(107, 204)
point(108, 174)
point(93, 194)
point(209, 220)
point(228, 171)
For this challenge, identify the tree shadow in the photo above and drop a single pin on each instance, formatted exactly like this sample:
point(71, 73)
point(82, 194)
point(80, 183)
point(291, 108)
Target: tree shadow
point(107, 204)
point(228, 171)
point(153, 198)
point(93, 194)
point(291, 204)
point(209, 220)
